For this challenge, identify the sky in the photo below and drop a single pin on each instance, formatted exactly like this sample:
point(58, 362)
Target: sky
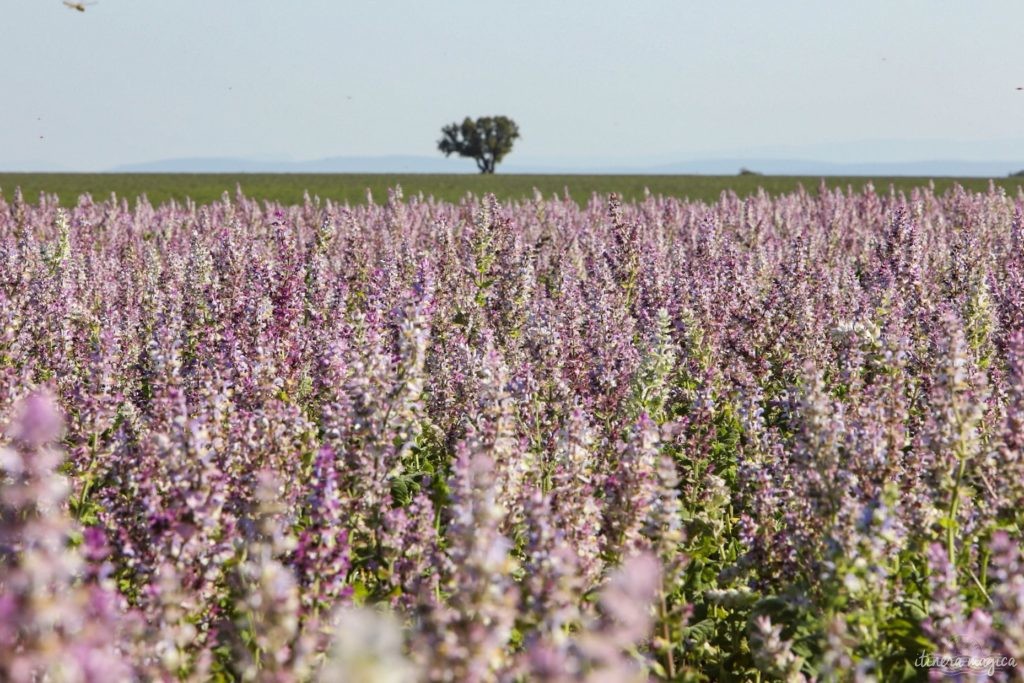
point(653, 80)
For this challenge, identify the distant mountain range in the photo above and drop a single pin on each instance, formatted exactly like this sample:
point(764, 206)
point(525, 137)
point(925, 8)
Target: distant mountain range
point(878, 157)
point(712, 166)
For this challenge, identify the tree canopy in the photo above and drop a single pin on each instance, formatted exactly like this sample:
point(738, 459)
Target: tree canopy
point(487, 140)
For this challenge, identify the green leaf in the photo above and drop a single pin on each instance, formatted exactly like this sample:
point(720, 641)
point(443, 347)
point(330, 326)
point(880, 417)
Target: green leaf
point(701, 632)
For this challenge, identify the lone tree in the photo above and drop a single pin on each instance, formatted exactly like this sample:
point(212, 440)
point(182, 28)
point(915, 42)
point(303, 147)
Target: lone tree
point(487, 140)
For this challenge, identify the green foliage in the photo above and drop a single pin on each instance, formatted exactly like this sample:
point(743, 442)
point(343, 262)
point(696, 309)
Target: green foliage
point(427, 465)
point(486, 140)
point(59, 251)
point(651, 388)
point(360, 188)
point(979, 321)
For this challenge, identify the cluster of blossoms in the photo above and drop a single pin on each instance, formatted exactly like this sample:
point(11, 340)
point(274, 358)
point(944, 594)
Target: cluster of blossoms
point(774, 438)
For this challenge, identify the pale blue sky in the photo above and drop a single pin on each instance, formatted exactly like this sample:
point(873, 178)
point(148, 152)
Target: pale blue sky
point(139, 80)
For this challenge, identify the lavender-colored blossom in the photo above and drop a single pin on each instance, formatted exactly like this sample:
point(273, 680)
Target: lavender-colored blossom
point(554, 440)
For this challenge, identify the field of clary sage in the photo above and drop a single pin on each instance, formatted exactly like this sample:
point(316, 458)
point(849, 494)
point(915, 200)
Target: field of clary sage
point(773, 438)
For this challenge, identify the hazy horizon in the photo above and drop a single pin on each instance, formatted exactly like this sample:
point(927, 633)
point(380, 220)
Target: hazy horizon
point(591, 84)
